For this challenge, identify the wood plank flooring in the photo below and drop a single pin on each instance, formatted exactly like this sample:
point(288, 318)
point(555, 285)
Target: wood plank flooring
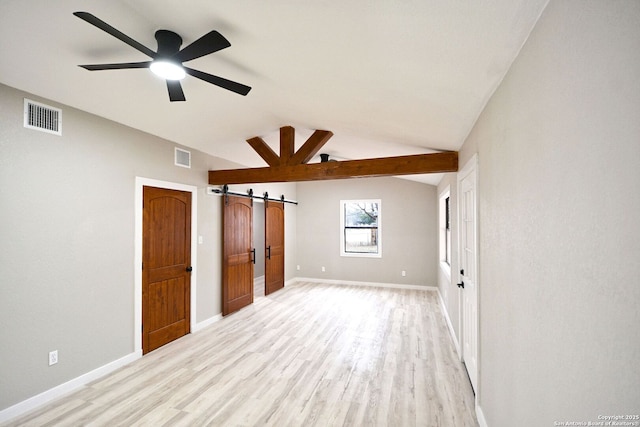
point(307, 355)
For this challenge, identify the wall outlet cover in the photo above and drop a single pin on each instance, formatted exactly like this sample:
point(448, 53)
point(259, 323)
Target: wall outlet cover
point(53, 357)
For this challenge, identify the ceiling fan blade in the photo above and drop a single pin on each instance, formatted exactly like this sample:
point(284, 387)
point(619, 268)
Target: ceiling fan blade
point(175, 91)
point(97, 22)
point(211, 42)
point(121, 66)
point(219, 81)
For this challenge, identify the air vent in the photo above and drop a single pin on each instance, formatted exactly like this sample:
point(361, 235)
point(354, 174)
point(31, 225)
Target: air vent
point(183, 158)
point(42, 117)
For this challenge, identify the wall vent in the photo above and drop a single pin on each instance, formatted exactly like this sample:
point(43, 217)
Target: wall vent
point(182, 158)
point(42, 117)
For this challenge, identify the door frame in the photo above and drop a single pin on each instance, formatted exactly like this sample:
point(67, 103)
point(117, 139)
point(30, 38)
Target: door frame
point(137, 253)
point(471, 167)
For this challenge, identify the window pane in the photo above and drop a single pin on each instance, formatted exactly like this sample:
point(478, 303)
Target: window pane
point(362, 214)
point(361, 240)
point(447, 213)
point(448, 232)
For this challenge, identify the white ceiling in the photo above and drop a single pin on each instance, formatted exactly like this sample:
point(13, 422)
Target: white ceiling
point(387, 77)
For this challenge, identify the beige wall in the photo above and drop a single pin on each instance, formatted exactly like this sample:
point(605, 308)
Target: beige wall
point(559, 195)
point(409, 231)
point(67, 252)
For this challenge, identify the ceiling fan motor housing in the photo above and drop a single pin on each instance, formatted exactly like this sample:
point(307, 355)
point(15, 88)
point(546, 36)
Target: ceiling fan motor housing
point(168, 43)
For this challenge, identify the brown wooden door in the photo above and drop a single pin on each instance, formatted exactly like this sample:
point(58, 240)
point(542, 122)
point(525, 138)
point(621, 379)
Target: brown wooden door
point(166, 262)
point(274, 246)
point(238, 253)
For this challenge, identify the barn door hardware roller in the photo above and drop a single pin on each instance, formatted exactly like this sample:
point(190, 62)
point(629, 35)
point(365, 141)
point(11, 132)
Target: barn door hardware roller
point(225, 191)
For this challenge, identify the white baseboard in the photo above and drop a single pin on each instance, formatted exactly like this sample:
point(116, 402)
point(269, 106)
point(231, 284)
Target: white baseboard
point(291, 282)
point(66, 388)
point(452, 332)
point(258, 281)
point(210, 321)
point(373, 284)
point(482, 422)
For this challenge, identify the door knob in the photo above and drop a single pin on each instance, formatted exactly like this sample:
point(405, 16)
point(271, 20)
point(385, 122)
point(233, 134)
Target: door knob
point(189, 269)
point(253, 255)
point(269, 252)
point(461, 285)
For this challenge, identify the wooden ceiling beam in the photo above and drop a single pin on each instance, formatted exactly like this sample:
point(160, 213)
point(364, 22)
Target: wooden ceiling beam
point(267, 154)
point(388, 166)
point(311, 147)
point(287, 144)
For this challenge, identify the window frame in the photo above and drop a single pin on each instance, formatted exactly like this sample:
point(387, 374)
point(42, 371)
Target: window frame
point(445, 226)
point(343, 228)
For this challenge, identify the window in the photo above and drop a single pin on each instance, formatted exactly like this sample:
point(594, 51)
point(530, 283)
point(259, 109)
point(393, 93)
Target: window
point(445, 228)
point(361, 234)
point(447, 240)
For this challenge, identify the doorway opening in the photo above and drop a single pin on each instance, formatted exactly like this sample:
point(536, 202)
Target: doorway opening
point(258, 243)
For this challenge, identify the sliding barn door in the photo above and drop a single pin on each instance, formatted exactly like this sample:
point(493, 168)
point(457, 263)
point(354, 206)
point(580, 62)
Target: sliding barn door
point(166, 262)
point(238, 253)
point(274, 246)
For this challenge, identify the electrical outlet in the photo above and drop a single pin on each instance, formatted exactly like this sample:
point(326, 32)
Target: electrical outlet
point(323, 269)
point(404, 273)
point(53, 357)
point(298, 267)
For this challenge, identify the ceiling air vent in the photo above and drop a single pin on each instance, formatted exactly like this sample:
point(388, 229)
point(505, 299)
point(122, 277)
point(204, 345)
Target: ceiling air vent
point(42, 117)
point(183, 158)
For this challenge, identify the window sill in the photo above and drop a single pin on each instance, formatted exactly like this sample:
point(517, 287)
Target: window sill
point(358, 255)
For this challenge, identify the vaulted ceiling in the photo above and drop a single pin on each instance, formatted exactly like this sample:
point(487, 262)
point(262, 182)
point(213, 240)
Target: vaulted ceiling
point(388, 78)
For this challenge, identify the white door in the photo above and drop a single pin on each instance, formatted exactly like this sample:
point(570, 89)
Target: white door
point(468, 269)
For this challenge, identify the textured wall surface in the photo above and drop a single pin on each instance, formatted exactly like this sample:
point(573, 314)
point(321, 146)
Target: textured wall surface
point(559, 193)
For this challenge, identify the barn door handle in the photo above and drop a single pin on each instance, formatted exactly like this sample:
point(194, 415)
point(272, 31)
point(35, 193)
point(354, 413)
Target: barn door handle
point(189, 269)
point(269, 252)
point(253, 255)
point(461, 284)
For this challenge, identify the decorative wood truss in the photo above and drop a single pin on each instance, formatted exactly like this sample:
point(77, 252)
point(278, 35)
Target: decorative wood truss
point(292, 166)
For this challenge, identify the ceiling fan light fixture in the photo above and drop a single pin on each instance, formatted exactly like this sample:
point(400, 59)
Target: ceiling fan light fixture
point(167, 70)
point(167, 61)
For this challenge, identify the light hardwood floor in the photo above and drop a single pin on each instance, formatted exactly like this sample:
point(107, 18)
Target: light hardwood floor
point(310, 354)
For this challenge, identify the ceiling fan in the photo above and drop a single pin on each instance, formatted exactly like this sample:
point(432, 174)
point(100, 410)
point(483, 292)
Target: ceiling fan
point(167, 61)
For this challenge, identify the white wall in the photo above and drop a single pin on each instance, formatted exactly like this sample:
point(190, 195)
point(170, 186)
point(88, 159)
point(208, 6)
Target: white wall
point(67, 214)
point(409, 231)
point(559, 187)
